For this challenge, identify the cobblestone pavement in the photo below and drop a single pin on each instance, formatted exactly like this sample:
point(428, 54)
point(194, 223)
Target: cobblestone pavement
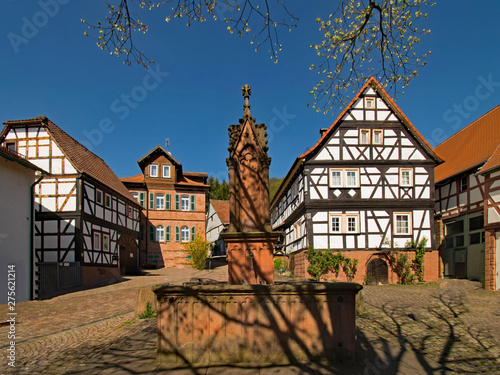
point(450, 327)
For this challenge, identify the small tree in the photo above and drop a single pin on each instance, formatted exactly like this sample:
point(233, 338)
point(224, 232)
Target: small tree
point(198, 250)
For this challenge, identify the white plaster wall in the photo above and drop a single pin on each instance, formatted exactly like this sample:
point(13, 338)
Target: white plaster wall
point(15, 227)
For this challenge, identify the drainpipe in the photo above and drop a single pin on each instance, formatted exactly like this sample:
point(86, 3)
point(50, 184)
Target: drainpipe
point(32, 226)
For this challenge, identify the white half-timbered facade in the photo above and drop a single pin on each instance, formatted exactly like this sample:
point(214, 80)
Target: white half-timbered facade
point(467, 198)
point(86, 221)
point(365, 188)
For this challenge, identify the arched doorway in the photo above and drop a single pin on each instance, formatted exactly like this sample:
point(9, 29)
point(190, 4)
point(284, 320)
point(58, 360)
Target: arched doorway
point(128, 255)
point(377, 272)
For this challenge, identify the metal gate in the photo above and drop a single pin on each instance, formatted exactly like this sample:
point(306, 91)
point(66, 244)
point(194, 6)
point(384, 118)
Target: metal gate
point(55, 276)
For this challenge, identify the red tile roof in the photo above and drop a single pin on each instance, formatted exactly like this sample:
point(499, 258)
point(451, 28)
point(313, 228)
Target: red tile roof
point(222, 209)
point(82, 159)
point(493, 162)
point(471, 147)
point(138, 178)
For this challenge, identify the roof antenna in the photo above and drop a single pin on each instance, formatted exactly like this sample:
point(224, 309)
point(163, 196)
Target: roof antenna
point(167, 143)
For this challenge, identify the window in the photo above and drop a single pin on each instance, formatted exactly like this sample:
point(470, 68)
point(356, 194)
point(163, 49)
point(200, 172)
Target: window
point(153, 170)
point(141, 198)
point(160, 201)
point(185, 203)
point(192, 202)
point(142, 232)
point(377, 138)
point(344, 178)
point(405, 177)
point(352, 178)
point(336, 178)
point(166, 171)
point(193, 233)
point(369, 103)
point(97, 241)
point(352, 223)
point(364, 137)
point(160, 233)
point(11, 146)
point(402, 223)
point(136, 196)
point(107, 200)
point(98, 196)
point(463, 184)
point(129, 211)
point(105, 242)
point(167, 201)
point(184, 234)
point(335, 224)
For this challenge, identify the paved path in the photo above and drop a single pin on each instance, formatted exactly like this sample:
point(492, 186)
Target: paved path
point(449, 327)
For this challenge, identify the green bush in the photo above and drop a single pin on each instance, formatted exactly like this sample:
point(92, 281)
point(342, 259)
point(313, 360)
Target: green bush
point(198, 251)
point(280, 264)
point(322, 262)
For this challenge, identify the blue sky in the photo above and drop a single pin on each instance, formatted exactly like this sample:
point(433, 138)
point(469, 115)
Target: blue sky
point(193, 93)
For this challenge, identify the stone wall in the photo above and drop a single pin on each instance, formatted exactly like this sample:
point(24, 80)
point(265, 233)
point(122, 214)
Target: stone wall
point(222, 324)
point(490, 266)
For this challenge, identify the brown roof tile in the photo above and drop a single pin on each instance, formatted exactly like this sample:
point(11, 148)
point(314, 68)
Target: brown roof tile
point(222, 209)
point(138, 178)
point(493, 162)
point(471, 147)
point(82, 159)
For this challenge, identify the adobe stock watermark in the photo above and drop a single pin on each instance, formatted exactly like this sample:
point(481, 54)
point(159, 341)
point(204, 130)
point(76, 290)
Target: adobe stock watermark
point(459, 112)
point(278, 122)
point(32, 25)
point(123, 106)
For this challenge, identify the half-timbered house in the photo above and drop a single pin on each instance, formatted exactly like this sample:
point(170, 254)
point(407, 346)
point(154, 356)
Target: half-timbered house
point(173, 208)
point(217, 223)
point(86, 221)
point(364, 189)
point(467, 198)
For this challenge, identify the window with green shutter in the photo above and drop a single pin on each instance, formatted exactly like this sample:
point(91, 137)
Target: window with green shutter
point(142, 232)
point(177, 234)
point(193, 233)
point(193, 202)
point(167, 233)
point(151, 201)
point(177, 202)
point(167, 201)
point(151, 233)
point(141, 198)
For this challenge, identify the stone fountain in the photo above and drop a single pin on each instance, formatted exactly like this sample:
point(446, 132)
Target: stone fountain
point(251, 320)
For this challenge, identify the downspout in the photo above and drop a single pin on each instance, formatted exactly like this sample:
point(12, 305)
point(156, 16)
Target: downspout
point(32, 226)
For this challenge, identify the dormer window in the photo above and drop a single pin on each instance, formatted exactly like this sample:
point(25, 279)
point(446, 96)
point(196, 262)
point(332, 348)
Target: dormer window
point(165, 171)
point(153, 170)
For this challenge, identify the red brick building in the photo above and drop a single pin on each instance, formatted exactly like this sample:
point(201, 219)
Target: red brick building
point(173, 208)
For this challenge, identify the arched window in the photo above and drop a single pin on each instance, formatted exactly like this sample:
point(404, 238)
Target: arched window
point(184, 234)
point(160, 233)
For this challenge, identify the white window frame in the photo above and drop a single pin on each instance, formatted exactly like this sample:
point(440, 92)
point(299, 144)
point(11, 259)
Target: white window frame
point(369, 100)
point(105, 242)
point(356, 223)
point(98, 196)
point(330, 226)
point(185, 237)
point(96, 241)
point(155, 168)
point(367, 132)
point(381, 132)
point(136, 196)
point(410, 177)
point(106, 198)
point(184, 199)
point(165, 167)
point(160, 201)
point(343, 177)
point(410, 225)
point(160, 233)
